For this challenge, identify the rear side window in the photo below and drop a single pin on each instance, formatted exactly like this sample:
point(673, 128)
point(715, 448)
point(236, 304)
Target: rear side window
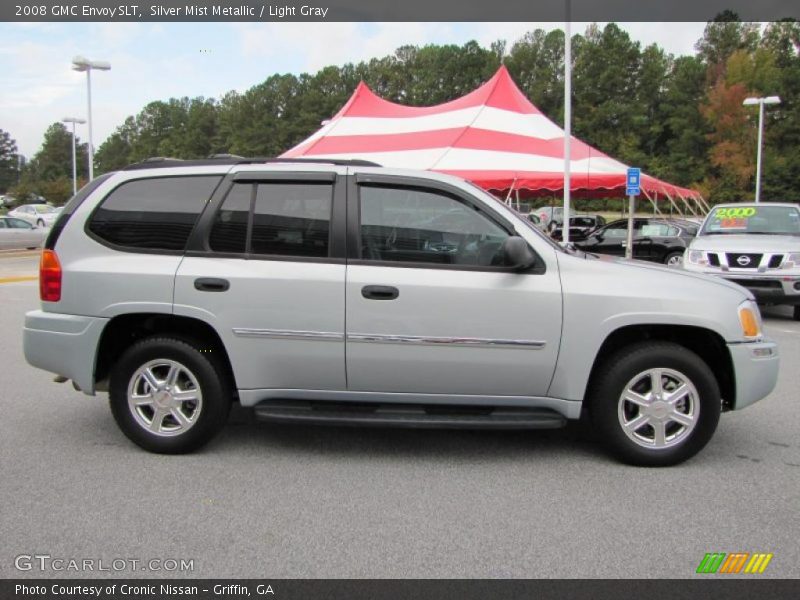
point(292, 219)
point(275, 219)
point(153, 214)
point(229, 232)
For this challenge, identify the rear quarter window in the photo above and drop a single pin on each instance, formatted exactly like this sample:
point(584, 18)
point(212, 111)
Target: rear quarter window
point(158, 213)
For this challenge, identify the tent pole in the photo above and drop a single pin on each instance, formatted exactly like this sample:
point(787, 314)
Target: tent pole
point(687, 203)
point(704, 204)
point(672, 202)
point(567, 118)
point(510, 191)
point(653, 202)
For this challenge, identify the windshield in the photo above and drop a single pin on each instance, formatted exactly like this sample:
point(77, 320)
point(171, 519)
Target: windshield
point(42, 208)
point(753, 219)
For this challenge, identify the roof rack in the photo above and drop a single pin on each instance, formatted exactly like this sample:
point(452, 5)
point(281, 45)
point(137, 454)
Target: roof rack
point(161, 162)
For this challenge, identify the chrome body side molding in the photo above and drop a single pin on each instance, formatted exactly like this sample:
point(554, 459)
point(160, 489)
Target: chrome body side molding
point(289, 334)
point(388, 339)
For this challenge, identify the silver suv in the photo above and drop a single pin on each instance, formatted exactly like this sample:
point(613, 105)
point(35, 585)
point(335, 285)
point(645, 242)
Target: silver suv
point(754, 245)
point(344, 293)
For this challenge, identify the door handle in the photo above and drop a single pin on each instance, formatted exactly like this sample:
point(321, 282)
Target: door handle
point(380, 292)
point(211, 284)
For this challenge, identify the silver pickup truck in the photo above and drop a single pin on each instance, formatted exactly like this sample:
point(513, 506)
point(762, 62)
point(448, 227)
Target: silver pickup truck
point(754, 245)
point(341, 292)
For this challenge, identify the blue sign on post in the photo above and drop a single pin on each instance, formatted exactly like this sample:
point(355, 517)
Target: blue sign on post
point(632, 181)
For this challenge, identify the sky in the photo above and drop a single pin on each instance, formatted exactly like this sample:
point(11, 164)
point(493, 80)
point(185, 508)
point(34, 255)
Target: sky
point(157, 61)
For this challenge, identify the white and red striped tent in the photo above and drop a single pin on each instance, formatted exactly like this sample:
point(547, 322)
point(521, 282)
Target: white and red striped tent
point(493, 137)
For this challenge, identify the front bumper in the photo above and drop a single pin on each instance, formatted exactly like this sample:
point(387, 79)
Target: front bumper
point(755, 365)
point(63, 344)
point(767, 289)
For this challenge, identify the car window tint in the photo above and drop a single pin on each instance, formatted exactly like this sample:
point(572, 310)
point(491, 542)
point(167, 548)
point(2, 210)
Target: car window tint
point(19, 224)
point(292, 219)
point(414, 225)
point(2, 223)
point(655, 229)
point(157, 213)
point(618, 230)
point(229, 231)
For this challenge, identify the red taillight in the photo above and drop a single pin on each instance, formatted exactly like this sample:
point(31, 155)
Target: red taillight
point(49, 277)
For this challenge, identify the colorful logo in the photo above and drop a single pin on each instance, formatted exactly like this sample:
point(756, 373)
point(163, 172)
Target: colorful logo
point(735, 562)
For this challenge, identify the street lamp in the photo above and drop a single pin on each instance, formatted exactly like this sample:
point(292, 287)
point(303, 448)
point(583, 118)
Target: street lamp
point(80, 63)
point(74, 120)
point(761, 102)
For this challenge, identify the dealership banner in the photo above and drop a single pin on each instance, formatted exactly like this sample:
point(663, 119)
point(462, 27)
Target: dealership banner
point(392, 10)
point(379, 589)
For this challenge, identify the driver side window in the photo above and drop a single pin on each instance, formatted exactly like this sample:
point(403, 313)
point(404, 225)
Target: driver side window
point(404, 224)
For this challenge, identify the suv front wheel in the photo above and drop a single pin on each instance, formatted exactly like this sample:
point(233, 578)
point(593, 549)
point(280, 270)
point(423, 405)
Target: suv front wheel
point(167, 396)
point(655, 404)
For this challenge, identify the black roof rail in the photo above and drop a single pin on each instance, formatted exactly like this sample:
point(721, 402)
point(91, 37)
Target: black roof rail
point(161, 162)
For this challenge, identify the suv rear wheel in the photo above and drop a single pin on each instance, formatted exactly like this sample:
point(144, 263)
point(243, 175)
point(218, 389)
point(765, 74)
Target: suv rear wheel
point(167, 396)
point(655, 404)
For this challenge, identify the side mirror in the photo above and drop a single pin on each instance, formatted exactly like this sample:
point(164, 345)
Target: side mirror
point(517, 253)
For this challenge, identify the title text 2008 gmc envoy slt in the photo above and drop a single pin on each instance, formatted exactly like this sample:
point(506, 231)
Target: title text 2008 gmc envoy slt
point(347, 293)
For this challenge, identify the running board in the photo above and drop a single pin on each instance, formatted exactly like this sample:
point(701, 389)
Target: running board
point(408, 415)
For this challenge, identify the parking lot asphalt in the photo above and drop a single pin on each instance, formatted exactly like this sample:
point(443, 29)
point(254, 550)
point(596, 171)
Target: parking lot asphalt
point(19, 265)
point(276, 501)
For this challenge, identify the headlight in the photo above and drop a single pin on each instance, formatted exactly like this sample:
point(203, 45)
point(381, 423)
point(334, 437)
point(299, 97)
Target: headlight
point(750, 319)
point(791, 260)
point(697, 257)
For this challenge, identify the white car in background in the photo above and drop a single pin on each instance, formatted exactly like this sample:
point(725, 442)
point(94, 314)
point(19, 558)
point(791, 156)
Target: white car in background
point(16, 234)
point(754, 245)
point(41, 215)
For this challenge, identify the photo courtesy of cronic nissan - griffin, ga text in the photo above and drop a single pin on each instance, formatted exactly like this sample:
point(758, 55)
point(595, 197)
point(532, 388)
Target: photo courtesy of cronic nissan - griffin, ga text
point(342, 292)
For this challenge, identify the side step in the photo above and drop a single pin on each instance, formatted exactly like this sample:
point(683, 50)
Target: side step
point(408, 415)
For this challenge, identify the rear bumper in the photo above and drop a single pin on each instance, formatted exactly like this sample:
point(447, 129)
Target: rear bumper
point(63, 344)
point(756, 370)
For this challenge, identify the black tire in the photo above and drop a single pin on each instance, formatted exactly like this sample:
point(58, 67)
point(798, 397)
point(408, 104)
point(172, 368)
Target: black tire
point(671, 256)
point(796, 312)
point(212, 381)
point(620, 369)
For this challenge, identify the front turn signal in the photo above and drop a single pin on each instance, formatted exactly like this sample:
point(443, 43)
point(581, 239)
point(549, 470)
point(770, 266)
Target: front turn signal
point(749, 320)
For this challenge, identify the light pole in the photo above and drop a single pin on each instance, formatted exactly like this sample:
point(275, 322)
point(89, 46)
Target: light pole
point(761, 102)
point(74, 120)
point(80, 63)
point(567, 120)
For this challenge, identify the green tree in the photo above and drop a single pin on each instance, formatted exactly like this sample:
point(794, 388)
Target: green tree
point(607, 64)
point(9, 161)
point(54, 158)
point(722, 37)
point(684, 147)
point(536, 62)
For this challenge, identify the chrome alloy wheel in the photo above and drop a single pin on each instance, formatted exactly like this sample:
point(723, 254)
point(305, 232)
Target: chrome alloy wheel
point(164, 397)
point(658, 408)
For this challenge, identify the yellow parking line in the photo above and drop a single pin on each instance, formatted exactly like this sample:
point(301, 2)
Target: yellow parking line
point(19, 278)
